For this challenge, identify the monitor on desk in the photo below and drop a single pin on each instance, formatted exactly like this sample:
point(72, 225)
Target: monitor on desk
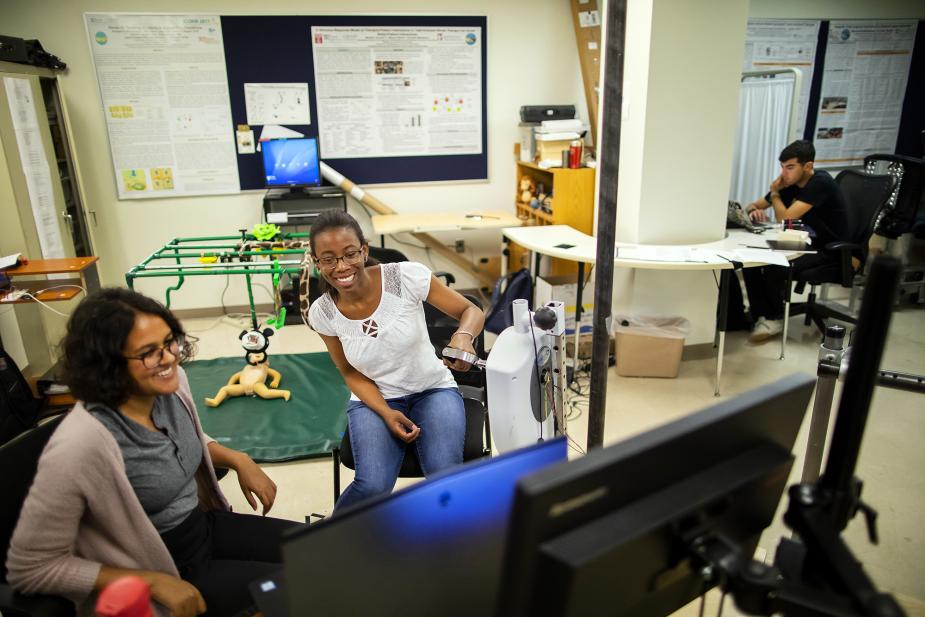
point(291, 163)
point(434, 548)
point(610, 533)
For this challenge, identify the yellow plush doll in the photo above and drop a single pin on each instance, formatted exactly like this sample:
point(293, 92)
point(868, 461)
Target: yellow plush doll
point(250, 380)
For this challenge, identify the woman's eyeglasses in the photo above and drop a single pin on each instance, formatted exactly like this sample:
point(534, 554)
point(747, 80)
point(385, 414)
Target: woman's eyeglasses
point(152, 358)
point(329, 262)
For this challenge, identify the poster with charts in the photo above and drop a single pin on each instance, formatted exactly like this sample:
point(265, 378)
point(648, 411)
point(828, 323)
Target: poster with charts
point(164, 91)
point(783, 44)
point(863, 86)
point(398, 91)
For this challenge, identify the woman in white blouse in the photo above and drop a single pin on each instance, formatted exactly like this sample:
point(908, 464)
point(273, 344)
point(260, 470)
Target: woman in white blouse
point(371, 318)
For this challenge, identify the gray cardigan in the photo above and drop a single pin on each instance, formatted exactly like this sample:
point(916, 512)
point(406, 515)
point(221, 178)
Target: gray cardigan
point(81, 512)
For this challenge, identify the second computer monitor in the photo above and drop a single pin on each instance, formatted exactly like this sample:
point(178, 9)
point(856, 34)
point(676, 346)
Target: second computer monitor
point(611, 533)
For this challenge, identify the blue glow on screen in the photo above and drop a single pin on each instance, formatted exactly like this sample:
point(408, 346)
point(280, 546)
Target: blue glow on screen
point(291, 162)
point(466, 502)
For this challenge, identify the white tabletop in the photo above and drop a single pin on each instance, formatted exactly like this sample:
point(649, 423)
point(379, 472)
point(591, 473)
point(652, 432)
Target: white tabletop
point(443, 221)
point(566, 242)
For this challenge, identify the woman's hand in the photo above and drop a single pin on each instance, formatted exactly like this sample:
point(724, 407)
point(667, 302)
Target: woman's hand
point(255, 483)
point(463, 342)
point(182, 599)
point(401, 426)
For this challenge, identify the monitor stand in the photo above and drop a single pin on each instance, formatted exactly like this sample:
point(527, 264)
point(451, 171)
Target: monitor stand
point(292, 192)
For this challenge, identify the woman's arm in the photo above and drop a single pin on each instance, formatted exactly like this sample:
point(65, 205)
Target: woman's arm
point(367, 391)
point(253, 480)
point(471, 319)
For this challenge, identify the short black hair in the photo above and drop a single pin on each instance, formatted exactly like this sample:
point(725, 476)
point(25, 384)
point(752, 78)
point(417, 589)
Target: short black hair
point(92, 363)
point(801, 150)
point(335, 219)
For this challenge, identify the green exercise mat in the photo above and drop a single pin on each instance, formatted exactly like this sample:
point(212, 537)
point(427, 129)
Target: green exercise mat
point(310, 424)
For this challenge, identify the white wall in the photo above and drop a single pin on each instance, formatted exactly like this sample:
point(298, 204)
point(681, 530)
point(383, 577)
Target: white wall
point(838, 9)
point(532, 59)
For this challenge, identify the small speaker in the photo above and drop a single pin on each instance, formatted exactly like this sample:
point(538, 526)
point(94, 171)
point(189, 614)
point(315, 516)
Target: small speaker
point(538, 113)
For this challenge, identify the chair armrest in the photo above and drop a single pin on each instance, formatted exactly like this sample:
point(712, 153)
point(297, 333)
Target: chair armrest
point(845, 251)
point(448, 277)
point(15, 604)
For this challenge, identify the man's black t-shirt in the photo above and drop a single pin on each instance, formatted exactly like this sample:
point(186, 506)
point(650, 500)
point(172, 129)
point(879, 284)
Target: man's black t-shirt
point(828, 216)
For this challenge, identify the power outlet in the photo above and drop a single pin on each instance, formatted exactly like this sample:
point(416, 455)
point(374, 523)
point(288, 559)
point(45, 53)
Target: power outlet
point(460, 246)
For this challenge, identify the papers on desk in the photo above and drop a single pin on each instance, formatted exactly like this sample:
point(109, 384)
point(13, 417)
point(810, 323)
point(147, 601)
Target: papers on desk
point(684, 254)
point(772, 258)
point(669, 254)
point(9, 261)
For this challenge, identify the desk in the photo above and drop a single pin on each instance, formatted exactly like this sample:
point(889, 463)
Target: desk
point(32, 326)
point(565, 242)
point(443, 221)
point(84, 267)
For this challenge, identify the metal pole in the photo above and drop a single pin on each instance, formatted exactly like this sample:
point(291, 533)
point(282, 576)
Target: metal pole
point(609, 166)
point(830, 356)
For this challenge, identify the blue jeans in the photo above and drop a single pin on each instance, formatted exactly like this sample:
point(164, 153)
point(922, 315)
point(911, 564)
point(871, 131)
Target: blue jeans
point(378, 455)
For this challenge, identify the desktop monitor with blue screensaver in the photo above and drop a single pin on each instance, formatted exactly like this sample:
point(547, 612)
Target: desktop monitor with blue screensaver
point(291, 163)
point(433, 548)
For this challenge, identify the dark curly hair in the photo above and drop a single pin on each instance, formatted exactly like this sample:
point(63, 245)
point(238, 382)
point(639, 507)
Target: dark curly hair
point(93, 365)
point(334, 219)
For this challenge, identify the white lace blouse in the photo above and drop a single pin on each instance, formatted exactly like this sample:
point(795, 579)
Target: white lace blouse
point(391, 346)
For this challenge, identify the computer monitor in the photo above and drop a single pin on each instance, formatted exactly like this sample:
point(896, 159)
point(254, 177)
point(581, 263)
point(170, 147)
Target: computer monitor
point(609, 533)
point(434, 548)
point(291, 163)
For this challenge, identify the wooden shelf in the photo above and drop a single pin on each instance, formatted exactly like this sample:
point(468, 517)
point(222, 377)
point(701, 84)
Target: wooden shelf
point(37, 267)
point(52, 295)
point(572, 204)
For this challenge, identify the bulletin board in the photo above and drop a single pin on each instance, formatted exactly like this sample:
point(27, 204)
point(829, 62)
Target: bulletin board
point(280, 49)
point(187, 97)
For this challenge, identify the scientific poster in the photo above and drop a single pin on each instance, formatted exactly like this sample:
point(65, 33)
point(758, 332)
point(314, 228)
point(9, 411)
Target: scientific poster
point(35, 165)
point(863, 86)
point(277, 103)
point(164, 90)
point(782, 44)
point(398, 91)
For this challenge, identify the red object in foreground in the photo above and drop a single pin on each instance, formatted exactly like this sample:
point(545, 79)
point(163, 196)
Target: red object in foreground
point(127, 597)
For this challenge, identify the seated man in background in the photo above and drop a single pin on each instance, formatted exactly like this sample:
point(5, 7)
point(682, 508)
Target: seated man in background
point(798, 193)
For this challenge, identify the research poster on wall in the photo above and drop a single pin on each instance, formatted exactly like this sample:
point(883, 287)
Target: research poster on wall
point(398, 91)
point(863, 86)
point(35, 165)
point(164, 91)
point(783, 44)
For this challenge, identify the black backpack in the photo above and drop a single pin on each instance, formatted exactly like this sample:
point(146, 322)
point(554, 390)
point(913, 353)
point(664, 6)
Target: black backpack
point(19, 409)
point(517, 285)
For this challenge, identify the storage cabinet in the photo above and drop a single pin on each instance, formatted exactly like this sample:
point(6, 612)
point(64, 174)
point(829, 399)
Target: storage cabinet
point(572, 204)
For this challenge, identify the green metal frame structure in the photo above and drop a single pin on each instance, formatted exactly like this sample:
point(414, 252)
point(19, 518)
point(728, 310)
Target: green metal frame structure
point(232, 258)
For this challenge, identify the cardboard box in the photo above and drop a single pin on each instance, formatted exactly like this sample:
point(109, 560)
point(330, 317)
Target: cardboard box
point(639, 355)
point(563, 288)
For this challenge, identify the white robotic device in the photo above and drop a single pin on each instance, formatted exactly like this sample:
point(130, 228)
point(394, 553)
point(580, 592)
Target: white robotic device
point(525, 374)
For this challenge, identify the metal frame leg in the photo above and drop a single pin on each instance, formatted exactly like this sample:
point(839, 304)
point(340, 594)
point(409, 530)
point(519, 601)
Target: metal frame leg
point(818, 427)
point(725, 278)
point(783, 338)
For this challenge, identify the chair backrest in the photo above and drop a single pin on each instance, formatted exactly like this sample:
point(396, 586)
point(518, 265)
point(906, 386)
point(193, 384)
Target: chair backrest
point(19, 409)
point(441, 327)
point(386, 256)
point(19, 459)
point(906, 200)
point(865, 195)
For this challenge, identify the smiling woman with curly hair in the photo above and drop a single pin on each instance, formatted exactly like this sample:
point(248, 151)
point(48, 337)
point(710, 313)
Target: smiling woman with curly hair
point(126, 484)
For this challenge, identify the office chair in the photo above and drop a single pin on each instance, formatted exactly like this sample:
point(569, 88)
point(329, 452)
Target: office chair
point(866, 195)
point(19, 459)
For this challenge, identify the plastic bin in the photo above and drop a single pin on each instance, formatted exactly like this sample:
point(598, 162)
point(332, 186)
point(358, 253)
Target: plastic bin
point(650, 345)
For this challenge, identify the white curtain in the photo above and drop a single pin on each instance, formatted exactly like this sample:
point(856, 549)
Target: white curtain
point(763, 127)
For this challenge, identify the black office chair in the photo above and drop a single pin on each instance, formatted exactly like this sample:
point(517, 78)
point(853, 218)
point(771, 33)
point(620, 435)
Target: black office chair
point(19, 459)
point(865, 195)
